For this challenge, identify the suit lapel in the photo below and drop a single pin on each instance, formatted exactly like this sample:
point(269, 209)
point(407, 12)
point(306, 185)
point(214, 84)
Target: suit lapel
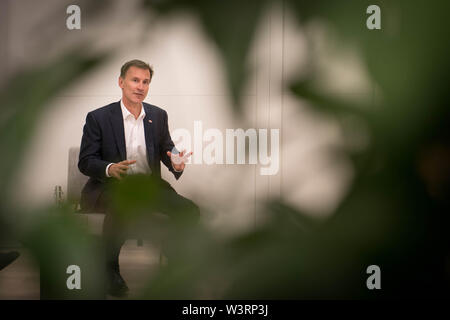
point(149, 134)
point(119, 131)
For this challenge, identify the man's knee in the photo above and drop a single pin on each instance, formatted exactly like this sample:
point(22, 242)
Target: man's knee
point(189, 213)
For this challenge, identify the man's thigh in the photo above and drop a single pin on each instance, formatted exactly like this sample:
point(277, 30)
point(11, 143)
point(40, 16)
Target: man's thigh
point(164, 200)
point(177, 207)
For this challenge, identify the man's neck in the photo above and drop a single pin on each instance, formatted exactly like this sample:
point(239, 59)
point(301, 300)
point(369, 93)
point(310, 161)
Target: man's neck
point(134, 108)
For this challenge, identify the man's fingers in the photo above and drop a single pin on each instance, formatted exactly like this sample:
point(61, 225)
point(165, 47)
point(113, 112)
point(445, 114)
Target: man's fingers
point(181, 154)
point(127, 162)
point(175, 157)
point(185, 157)
point(119, 169)
point(179, 158)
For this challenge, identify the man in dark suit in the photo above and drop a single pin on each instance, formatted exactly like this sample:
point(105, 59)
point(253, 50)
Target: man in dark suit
point(124, 138)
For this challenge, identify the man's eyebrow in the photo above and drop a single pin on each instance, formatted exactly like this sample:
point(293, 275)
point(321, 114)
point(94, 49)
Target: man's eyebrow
point(137, 78)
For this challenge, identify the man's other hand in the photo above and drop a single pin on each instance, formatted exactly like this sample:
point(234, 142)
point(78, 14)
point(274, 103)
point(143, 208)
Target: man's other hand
point(116, 170)
point(179, 160)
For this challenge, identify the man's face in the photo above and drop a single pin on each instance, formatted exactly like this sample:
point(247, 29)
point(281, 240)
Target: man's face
point(135, 85)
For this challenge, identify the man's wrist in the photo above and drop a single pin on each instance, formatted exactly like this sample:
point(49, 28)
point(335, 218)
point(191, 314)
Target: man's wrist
point(107, 169)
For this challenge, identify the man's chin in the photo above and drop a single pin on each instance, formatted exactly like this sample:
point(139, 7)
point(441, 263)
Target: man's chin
point(137, 100)
point(140, 98)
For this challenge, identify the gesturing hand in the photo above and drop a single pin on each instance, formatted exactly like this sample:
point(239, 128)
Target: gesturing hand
point(179, 160)
point(116, 170)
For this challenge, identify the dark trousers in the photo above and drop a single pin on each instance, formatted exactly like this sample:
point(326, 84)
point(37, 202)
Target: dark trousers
point(178, 210)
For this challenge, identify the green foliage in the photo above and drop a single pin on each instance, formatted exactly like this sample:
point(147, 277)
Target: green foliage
point(52, 240)
point(24, 97)
point(57, 240)
point(231, 25)
point(388, 217)
point(394, 214)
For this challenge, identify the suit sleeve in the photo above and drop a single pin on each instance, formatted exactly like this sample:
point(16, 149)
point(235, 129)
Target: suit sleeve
point(90, 162)
point(167, 145)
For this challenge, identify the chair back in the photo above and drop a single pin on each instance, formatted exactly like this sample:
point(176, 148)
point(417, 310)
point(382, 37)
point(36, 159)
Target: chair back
point(75, 179)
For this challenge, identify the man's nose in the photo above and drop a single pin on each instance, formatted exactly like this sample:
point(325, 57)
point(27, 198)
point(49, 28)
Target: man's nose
point(140, 86)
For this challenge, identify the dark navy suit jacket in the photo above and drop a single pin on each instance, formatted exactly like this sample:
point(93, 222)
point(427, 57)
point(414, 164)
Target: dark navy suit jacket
point(103, 142)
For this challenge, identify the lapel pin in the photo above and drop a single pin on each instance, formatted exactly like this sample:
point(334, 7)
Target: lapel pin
point(150, 121)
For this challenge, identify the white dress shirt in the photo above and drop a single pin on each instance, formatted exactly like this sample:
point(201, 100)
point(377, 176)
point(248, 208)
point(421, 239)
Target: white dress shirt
point(134, 141)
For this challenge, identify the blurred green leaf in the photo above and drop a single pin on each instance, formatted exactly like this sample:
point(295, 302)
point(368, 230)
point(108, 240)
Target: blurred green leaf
point(57, 240)
point(231, 25)
point(24, 99)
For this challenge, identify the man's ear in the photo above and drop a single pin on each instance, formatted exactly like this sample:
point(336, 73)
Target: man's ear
point(120, 82)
